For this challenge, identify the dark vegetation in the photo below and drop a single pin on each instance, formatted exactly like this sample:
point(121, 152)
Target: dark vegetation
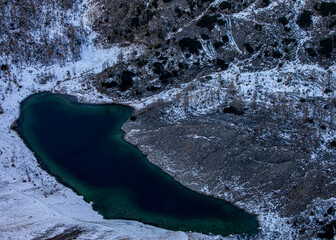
point(126, 80)
point(218, 44)
point(225, 5)
point(311, 52)
point(165, 76)
point(4, 67)
point(249, 48)
point(332, 24)
point(258, 27)
point(123, 80)
point(209, 22)
point(265, 3)
point(277, 54)
point(328, 231)
point(158, 68)
point(190, 44)
point(110, 84)
point(225, 39)
point(333, 143)
point(305, 19)
point(205, 36)
point(222, 64)
point(326, 47)
point(172, 60)
point(233, 110)
point(152, 88)
point(326, 8)
point(283, 20)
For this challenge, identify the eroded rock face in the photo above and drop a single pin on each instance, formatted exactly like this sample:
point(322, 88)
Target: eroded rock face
point(227, 156)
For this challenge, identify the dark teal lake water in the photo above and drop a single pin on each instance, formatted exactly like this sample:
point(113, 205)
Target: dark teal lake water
point(82, 145)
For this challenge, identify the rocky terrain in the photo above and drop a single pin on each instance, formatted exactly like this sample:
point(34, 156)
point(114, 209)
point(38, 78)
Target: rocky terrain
point(246, 88)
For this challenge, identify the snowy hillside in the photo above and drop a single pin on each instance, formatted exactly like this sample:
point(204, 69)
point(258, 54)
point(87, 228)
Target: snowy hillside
point(262, 67)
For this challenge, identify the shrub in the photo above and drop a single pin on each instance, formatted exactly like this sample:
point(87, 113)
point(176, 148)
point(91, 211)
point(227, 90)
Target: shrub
point(305, 19)
point(265, 3)
point(328, 230)
point(283, 20)
point(4, 67)
point(210, 21)
point(179, 12)
point(233, 110)
point(109, 84)
point(152, 88)
point(190, 44)
point(155, 4)
point(182, 65)
point(148, 16)
point(249, 48)
point(207, 21)
point(135, 22)
point(222, 64)
point(326, 47)
point(326, 8)
point(126, 80)
point(289, 41)
point(311, 52)
point(205, 36)
point(218, 44)
point(221, 22)
point(328, 90)
point(332, 24)
point(166, 75)
point(158, 68)
point(277, 54)
point(225, 39)
point(225, 5)
point(333, 143)
point(141, 62)
point(258, 27)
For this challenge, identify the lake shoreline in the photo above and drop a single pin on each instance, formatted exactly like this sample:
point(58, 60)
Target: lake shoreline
point(70, 101)
point(45, 188)
point(39, 190)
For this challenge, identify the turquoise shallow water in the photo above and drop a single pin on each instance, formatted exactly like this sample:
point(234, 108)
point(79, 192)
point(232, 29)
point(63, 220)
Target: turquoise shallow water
point(82, 145)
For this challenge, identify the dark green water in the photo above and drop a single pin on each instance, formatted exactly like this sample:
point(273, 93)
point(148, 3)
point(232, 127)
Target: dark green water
point(82, 146)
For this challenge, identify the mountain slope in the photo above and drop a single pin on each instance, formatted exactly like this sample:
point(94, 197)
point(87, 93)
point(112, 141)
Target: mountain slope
point(247, 86)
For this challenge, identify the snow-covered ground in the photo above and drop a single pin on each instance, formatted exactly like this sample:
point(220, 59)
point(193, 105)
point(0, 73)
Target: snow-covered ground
point(33, 204)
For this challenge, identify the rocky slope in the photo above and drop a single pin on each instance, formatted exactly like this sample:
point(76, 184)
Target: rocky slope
point(246, 87)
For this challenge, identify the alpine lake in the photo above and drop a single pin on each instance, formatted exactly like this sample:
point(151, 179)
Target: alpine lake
point(82, 146)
